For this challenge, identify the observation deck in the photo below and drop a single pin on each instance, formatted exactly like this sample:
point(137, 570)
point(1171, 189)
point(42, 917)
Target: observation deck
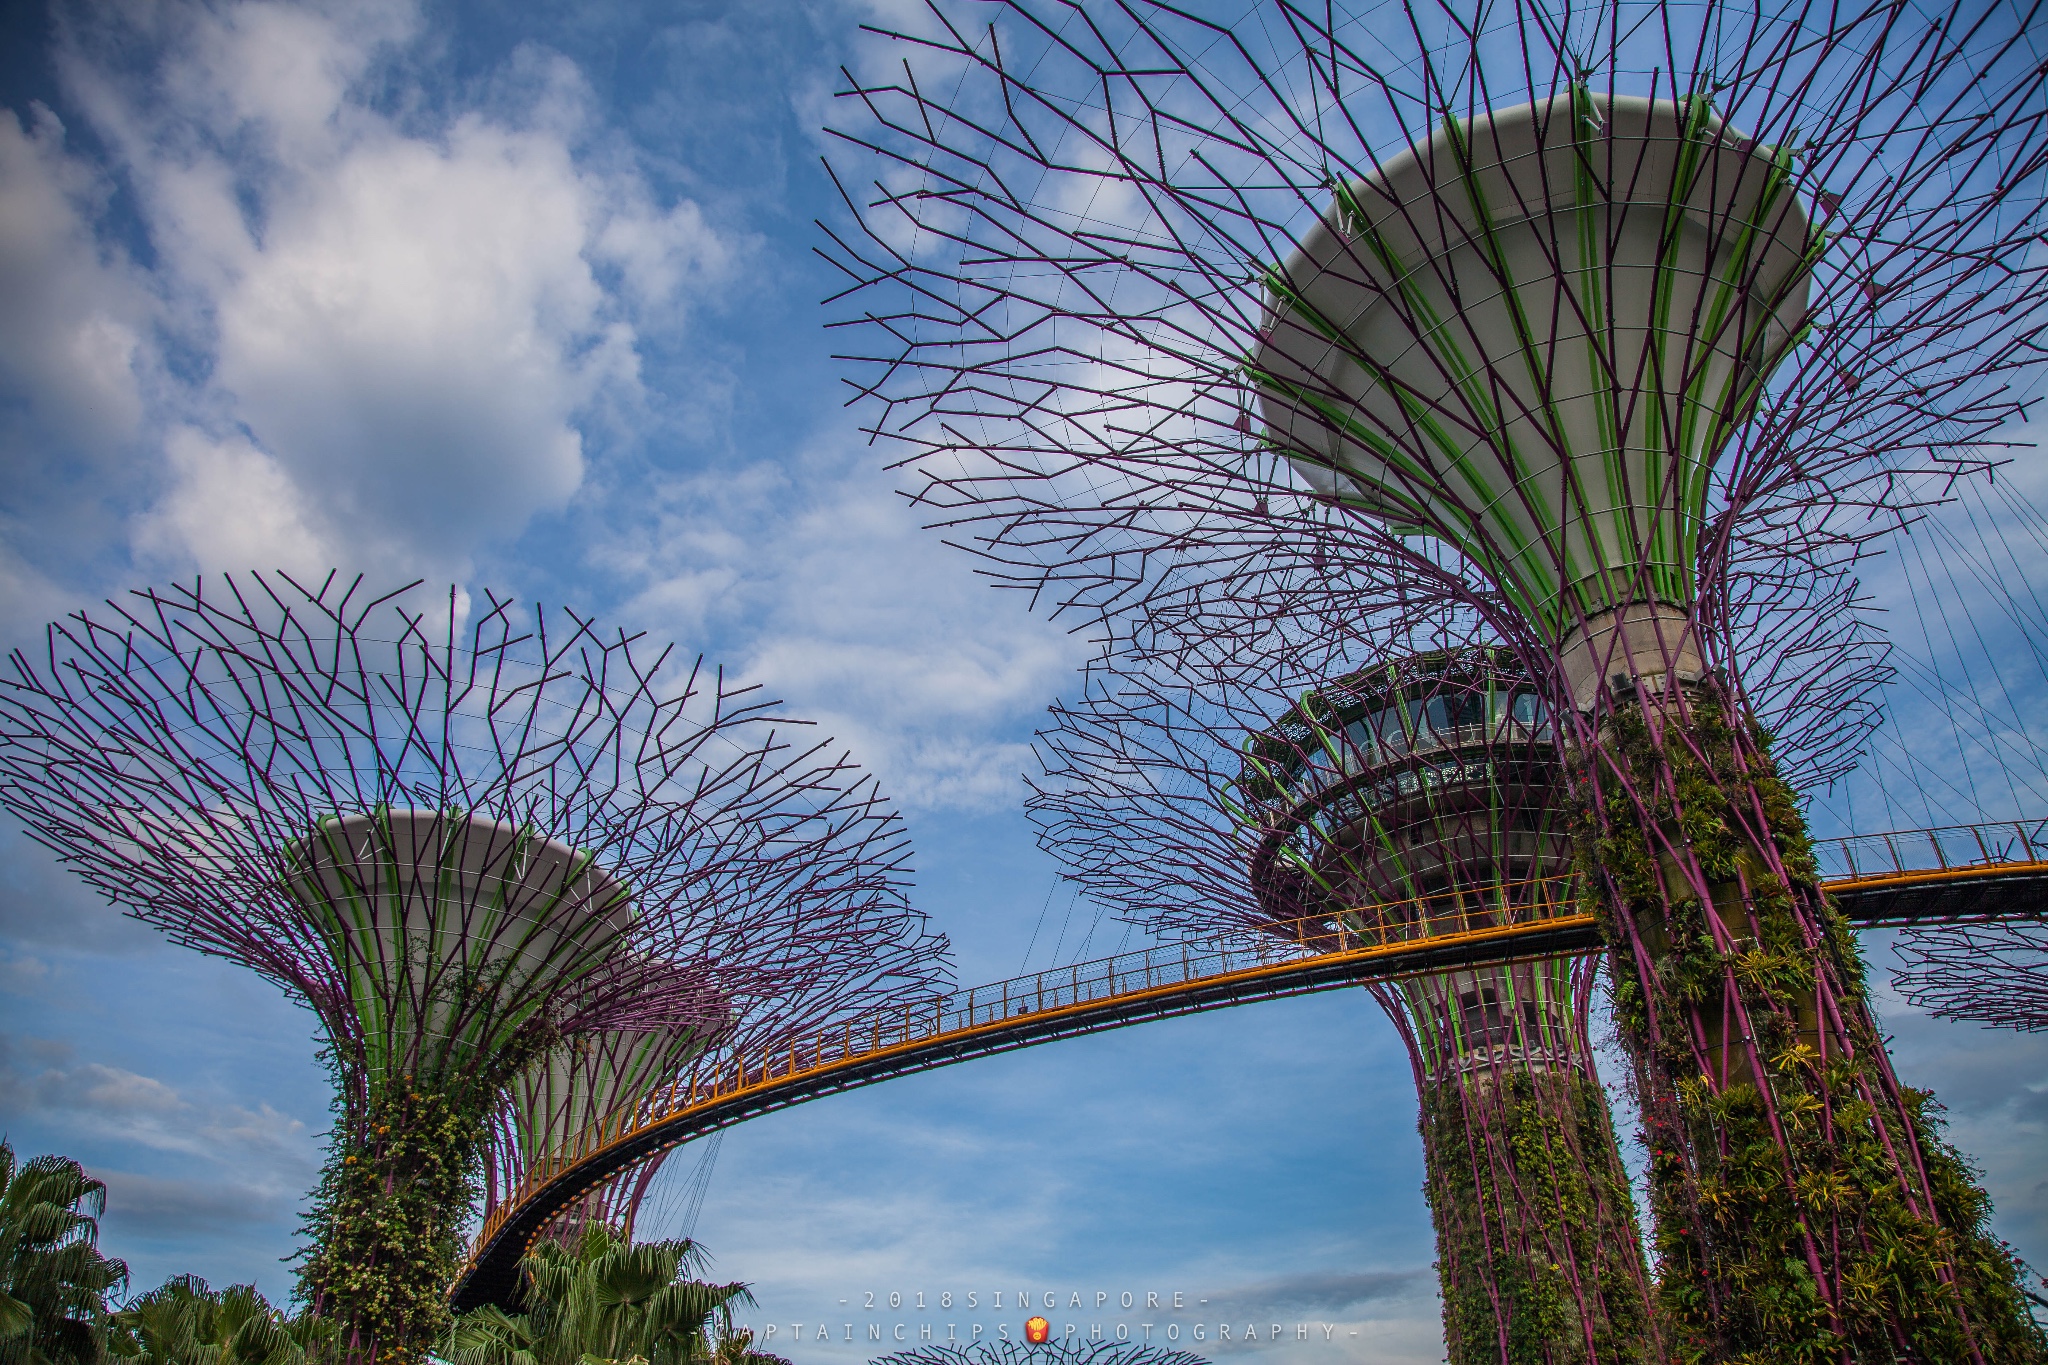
point(1956, 874)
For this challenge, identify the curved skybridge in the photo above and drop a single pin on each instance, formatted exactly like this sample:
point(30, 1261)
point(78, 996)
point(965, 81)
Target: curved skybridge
point(1954, 874)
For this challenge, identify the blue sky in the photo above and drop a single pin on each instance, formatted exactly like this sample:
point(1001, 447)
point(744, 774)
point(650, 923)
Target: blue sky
point(524, 295)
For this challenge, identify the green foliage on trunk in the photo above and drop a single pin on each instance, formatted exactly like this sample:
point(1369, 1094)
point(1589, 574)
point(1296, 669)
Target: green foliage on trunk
point(384, 1229)
point(1536, 1236)
point(1783, 1198)
point(386, 1222)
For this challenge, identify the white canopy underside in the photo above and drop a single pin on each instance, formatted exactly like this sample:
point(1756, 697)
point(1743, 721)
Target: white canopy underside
point(1533, 336)
point(424, 908)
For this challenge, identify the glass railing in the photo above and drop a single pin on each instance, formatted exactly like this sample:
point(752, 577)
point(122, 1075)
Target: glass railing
point(1950, 847)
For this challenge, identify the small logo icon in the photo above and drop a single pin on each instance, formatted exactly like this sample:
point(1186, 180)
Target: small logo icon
point(1037, 1331)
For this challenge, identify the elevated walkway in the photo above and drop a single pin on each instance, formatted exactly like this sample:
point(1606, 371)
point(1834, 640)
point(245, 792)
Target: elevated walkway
point(1952, 875)
point(1962, 873)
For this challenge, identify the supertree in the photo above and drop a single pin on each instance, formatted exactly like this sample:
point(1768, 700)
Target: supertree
point(1994, 974)
point(1587, 321)
point(730, 1000)
point(1422, 796)
point(464, 847)
point(588, 1088)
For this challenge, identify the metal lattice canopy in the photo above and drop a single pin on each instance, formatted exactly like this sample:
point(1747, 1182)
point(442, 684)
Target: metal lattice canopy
point(445, 835)
point(1426, 786)
point(1994, 974)
point(1255, 786)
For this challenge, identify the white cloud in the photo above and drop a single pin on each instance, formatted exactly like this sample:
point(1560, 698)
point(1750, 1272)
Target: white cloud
point(20, 973)
point(74, 315)
point(853, 615)
point(287, 68)
point(412, 346)
point(392, 323)
point(229, 507)
point(27, 596)
point(663, 252)
point(147, 1205)
point(41, 1080)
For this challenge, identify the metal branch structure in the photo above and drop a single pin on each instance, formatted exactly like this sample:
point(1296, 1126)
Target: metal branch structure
point(821, 942)
point(1370, 804)
point(1994, 974)
point(1602, 330)
point(1437, 777)
point(594, 1082)
point(502, 853)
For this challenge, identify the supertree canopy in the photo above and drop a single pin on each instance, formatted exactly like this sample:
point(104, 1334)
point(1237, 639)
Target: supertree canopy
point(482, 854)
point(1993, 974)
point(591, 1085)
point(1421, 797)
point(1582, 323)
point(741, 1002)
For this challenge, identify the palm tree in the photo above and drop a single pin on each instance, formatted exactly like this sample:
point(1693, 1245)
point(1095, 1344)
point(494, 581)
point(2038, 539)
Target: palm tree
point(186, 1323)
point(737, 1348)
point(53, 1280)
point(604, 1301)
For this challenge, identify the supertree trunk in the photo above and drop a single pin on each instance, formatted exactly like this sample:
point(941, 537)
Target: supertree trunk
point(1452, 796)
point(1420, 797)
point(1537, 1257)
point(386, 1219)
point(1806, 1207)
